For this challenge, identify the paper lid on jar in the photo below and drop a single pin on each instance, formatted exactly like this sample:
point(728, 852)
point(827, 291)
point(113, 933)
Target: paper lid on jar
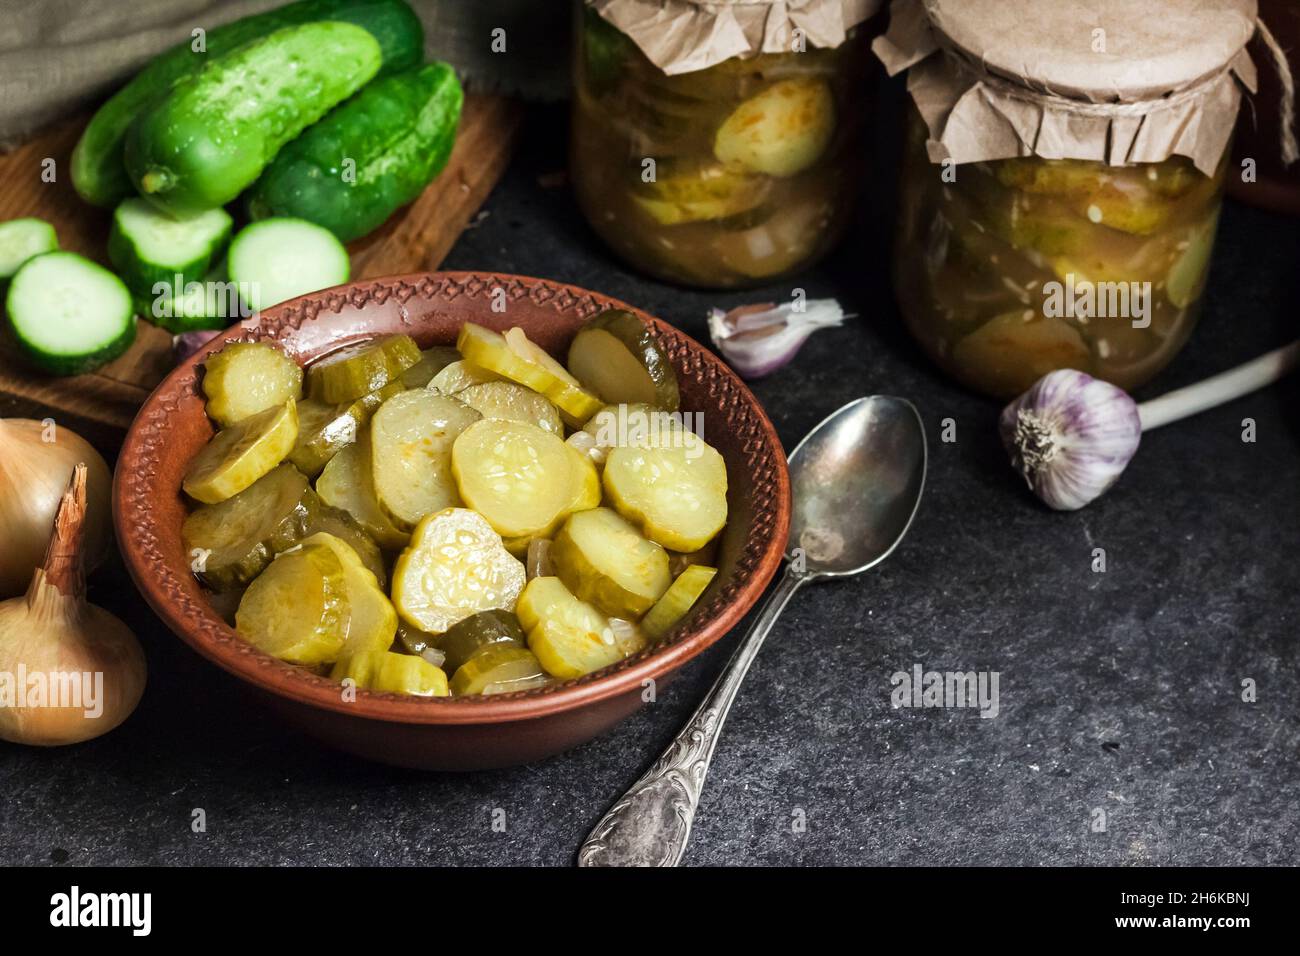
point(682, 36)
point(1119, 81)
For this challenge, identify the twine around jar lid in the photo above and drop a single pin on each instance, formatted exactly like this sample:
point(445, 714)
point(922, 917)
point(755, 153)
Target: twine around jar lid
point(1118, 81)
point(682, 36)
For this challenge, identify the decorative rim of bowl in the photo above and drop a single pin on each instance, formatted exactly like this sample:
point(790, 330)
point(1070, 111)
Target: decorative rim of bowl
point(178, 599)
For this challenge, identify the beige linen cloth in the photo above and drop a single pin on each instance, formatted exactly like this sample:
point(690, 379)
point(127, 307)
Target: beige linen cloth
point(59, 55)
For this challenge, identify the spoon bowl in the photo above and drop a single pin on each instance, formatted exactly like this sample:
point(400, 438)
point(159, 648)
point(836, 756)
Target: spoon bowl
point(856, 482)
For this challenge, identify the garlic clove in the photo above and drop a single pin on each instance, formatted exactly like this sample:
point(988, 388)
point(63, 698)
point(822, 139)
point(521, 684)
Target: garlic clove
point(1071, 436)
point(756, 340)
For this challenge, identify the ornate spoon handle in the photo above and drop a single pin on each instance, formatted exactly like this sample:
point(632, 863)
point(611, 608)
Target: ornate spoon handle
point(650, 825)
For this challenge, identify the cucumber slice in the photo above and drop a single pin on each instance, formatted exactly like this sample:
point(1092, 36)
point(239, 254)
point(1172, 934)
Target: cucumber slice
point(335, 521)
point(510, 402)
point(617, 357)
point(297, 610)
point(147, 246)
point(460, 375)
point(406, 674)
point(324, 428)
point(517, 476)
point(210, 303)
point(514, 357)
point(237, 456)
point(346, 483)
point(570, 637)
point(464, 639)
point(358, 668)
point(604, 560)
point(69, 315)
point(432, 361)
point(357, 370)
point(20, 240)
point(674, 487)
point(372, 624)
point(233, 541)
point(454, 568)
point(411, 438)
point(498, 670)
point(782, 130)
point(278, 259)
point(245, 378)
point(677, 600)
point(701, 193)
point(616, 426)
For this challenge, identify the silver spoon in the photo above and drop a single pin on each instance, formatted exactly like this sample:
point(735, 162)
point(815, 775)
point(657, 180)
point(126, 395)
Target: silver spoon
point(856, 482)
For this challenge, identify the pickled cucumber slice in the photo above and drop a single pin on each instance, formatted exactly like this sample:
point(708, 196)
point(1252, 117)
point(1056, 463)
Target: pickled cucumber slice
point(703, 194)
point(498, 670)
point(1186, 279)
point(674, 488)
point(617, 358)
point(510, 402)
point(411, 437)
point(1118, 198)
point(1010, 352)
point(605, 561)
point(324, 428)
point(514, 357)
point(347, 483)
point(466, 638)
point(569, 636)
point(407, 674)
point(522, 479)
point(432, 361)
point(231, 542)
point(239, 455)
point(420, 643)
point(458, 376)
point(245, 378)
point(358, 668)
point(372, 625)
point(297, 609)
point(628, 424)
point(348, 374)
point(677, 600)
point(782, 130)
point(336, 521)
point(455, 567)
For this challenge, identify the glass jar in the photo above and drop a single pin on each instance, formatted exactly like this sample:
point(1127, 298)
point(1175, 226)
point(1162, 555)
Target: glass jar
point(1009, 269)
point(732, 175)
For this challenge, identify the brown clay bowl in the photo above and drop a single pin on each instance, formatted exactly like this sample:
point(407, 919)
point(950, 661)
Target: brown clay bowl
point(448, 733)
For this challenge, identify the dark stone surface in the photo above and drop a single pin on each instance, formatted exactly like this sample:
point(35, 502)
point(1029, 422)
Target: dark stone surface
point(1119, 691)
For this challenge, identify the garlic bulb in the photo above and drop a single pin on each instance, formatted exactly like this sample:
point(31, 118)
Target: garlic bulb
point(1071, 436)
point(756, 340)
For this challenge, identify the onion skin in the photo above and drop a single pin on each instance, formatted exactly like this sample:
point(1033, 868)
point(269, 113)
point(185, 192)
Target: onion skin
point(33, 476)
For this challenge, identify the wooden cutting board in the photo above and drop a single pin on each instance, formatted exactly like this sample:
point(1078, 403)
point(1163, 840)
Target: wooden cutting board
point(416, 238)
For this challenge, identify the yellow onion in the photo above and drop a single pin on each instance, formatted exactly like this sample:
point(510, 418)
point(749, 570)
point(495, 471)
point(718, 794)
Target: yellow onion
point(36, 462)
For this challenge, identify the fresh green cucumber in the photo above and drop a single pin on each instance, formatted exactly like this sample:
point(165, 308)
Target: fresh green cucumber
point(147, 246)
point(69, 315)
point(97, 170)
point(371, 155)
point(20, 239)
point(277, 259)
point(212, 302)
point(211, 136)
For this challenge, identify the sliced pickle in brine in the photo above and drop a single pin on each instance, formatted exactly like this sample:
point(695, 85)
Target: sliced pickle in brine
point(781, 130)
point(455, 567)
point(1009, 353)
point(466, 638)
point(372, 625)
point(616, 357)
point(700, 193)
point(460, 375)
point(340, 524)
point(239, 455)
point(231, 542)
point(498, 670)
point(515, 357)
point(324, 428)
point(508, 401)
point(432, 361)
point(297, 609)
point(674, 488)
point(245, 378)
point(346, 483)
point(407, 674)
point(411, 438)
point(603, 559)
point(569, 636)
point(346, 375)
point(677, 600)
